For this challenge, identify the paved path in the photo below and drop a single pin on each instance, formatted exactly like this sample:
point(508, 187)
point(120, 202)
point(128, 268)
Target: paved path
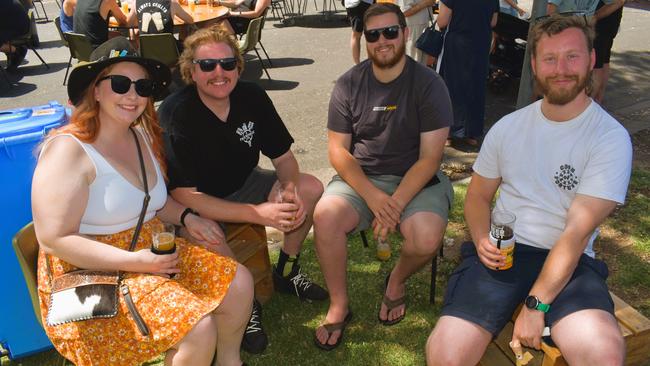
point(310, 55)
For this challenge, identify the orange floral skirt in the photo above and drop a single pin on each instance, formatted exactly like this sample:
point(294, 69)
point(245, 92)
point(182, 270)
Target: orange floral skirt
point(169, 307)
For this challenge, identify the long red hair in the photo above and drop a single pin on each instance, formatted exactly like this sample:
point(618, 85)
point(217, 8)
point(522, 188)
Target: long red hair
point(84, 123)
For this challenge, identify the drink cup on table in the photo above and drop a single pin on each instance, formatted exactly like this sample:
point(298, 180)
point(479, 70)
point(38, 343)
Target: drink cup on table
point(192, 5)
point(125, 7)
point(163, 239)
point(502, 235)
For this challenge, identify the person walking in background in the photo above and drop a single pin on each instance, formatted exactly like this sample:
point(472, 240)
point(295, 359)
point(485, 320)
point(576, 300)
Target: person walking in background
point(418, 14)
point(463, 63)
point(14, 23)
point(355, 10)
point(66, 16)
point(608, 20)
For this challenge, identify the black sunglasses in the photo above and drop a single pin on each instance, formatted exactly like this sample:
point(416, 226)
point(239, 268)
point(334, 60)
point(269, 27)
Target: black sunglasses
point(209, 64)
point(391, 32)
point(121, 85)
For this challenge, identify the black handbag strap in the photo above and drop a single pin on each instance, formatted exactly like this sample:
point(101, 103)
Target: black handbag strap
point(145, 202)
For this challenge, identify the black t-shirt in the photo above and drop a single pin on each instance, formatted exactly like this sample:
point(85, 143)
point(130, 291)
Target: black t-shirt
point(214, 156)
point(88, 21)
point(386, 119)
point(154, 16)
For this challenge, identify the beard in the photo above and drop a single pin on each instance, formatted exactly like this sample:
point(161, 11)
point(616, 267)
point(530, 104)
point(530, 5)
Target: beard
point(390, 62)
point(562, 96)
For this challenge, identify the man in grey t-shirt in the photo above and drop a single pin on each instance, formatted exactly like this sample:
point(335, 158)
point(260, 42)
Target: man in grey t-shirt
point(388, 120)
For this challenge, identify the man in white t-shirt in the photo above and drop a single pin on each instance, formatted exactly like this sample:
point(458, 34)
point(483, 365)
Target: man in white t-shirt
point(561, 165)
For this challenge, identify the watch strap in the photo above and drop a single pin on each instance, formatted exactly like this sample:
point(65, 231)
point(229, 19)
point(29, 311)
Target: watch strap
point(544, 308)
point(186, 212)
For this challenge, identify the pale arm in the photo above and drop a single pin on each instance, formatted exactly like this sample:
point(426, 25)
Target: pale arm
point(608, 9)
point(444, 15)
point(177, 10)
point(418, 7)
point(495, 18)
point(515, 6)
point(111, 6)
point(585, 214)
point(58, 209)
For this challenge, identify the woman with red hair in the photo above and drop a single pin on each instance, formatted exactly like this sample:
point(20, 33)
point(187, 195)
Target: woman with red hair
point(87, 191)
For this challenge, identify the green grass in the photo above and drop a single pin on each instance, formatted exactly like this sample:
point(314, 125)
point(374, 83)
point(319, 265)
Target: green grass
point(290, 323)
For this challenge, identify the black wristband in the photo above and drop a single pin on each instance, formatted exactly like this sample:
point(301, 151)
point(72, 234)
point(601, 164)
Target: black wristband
point(185, 213)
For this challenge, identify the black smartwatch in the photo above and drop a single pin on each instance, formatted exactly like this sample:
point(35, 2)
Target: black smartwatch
point(533, 303)
point(185, 213)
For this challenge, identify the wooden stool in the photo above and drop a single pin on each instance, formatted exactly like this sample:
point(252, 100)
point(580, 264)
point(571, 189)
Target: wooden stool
point(634, 326)
point(248, 243)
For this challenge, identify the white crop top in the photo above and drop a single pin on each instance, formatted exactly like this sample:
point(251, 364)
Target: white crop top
point(114, 204)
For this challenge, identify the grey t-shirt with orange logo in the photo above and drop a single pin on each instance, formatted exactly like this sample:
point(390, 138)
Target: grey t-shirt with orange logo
point(386, 119)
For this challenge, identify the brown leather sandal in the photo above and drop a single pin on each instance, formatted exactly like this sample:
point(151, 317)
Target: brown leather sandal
point(331, 328)
point(390, 305)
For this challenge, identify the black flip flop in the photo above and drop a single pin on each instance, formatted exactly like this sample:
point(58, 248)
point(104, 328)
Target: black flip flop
point(390, 305)
point(331, 328)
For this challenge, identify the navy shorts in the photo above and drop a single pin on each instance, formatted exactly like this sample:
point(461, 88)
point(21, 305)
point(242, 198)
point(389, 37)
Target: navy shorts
point(489, 298)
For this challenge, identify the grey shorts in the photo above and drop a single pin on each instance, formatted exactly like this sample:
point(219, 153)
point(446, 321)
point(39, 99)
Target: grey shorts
point(256, 188)
point(436, 198)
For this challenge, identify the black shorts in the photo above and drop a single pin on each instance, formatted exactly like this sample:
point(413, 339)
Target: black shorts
point(356, 16)
point(256, 188)
point(606, 30)
point(239, 24)
point(488, 298)
point(603, 47)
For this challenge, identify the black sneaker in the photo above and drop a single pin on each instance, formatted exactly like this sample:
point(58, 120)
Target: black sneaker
point(299, 284)
point(255, 340)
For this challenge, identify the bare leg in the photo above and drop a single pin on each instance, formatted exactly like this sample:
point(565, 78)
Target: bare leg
point(232, 315)
point(600, 77)
point(422, 233)
point(456, 341)
point(333, 219)
point(198, 345)
point(310, 189)
point(605, 347)
point(355, 45)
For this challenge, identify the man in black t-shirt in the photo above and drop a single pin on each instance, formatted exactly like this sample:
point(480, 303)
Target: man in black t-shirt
point(215, 129)
point(388, 121)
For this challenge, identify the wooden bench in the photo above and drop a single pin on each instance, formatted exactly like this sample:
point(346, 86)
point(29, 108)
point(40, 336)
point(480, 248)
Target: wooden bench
point(634, 326)
point(248, 243)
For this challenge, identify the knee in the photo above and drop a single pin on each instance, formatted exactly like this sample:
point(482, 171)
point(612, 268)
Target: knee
point(310, 188)
point(243, 284)
point(424, 246)
point(326, 215)
point(437, 354)
point(204, 333)
point(608, 351)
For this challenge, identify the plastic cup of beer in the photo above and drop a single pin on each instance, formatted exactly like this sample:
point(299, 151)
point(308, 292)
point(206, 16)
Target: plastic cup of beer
point(192, 5)
point(502, 235)
point(125, 7)
point(163, 239)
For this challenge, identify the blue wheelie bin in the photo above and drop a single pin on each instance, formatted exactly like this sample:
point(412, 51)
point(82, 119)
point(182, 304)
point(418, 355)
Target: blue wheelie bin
point(21, 130)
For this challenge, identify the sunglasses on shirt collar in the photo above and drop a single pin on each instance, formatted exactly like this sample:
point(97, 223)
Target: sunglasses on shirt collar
point(209, 64)
point(121, 84)
point(372, 35)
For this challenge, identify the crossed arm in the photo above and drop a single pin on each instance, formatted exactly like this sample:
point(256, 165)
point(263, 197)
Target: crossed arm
point(387, 209)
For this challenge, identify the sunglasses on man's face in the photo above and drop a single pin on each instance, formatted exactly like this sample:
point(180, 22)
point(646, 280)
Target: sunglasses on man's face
point(209, 64)
point(372, 35)
point(121, 84)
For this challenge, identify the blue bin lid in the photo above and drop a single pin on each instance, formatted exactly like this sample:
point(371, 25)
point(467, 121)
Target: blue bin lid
point(20, 121)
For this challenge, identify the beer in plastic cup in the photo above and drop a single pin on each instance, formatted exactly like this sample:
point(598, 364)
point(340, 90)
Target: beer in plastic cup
point(163, 239)
point(125, 7)
point(192, 5)
point(502, 235)
point(383, 249)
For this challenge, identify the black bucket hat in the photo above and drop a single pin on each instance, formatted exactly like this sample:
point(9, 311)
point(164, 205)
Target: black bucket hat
point(117, 49)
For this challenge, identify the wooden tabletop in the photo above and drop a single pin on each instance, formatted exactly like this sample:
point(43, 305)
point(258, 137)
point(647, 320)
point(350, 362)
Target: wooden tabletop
point(202, 13)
